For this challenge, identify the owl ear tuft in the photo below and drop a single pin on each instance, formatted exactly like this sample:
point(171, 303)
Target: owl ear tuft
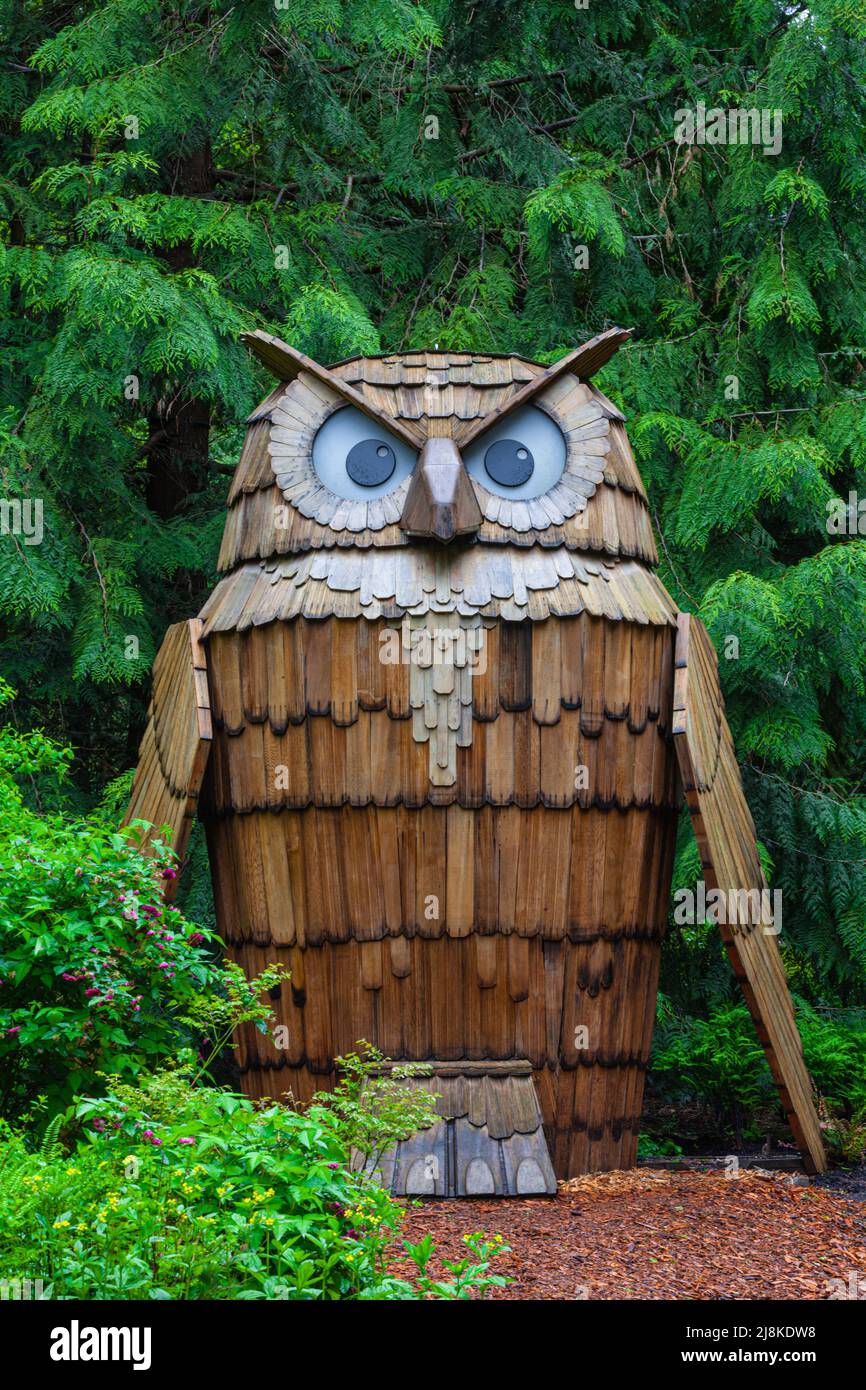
point(287, 363)
point(583, 363)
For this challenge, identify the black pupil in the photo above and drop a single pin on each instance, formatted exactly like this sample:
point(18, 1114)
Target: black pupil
point(509, 462)
point(370, 462)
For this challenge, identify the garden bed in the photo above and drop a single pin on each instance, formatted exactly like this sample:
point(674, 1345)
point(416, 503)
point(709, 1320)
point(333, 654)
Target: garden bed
point(664, 1235)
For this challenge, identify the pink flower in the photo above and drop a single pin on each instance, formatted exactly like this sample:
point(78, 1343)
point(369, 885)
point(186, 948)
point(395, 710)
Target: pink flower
point(169, 873)
point(186, 1141)
point(12, 1032)
point(89, 993)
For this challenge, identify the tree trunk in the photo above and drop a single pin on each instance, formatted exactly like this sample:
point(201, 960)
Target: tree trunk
point(177, 450)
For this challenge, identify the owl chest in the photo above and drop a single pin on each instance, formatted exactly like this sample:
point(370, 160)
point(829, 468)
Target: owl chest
point(441, 711)
point(440, 777)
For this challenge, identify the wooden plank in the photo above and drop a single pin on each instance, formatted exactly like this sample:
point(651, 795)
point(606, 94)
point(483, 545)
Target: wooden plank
point(177, 740)
point(725, 834)
point(287, 364)
point(582, 363)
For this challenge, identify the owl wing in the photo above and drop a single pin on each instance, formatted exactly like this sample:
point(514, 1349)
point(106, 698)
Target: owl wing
point(725, 834)
point(177, 739)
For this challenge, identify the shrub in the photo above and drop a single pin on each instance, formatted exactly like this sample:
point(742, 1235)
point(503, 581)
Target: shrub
point(845, 1138)
point(373, 1105)
point(186, 1191)
point(719, 1061)
point(834, 1046)
point(97, 972)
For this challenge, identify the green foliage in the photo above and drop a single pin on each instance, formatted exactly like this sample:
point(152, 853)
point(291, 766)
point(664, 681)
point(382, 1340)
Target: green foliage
point(367, 177)
point(374, 176)
point(374, 1105)
point(175, 1190)
point(98, 973)
point(844, 1138)
point(649, 1146)
point(718, 1060)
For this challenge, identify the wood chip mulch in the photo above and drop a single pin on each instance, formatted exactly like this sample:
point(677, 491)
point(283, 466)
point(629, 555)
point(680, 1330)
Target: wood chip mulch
point(662, 1235)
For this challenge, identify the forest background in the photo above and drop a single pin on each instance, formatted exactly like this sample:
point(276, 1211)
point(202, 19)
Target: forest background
point(506, 177)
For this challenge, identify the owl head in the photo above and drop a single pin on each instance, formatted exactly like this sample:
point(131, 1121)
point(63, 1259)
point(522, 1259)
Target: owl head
point(456, 499)
point(437, 449)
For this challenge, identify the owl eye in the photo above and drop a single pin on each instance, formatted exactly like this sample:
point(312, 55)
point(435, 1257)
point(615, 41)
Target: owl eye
point(370, 463)
point(522, 457)
point(358, 459)
point(509, 463)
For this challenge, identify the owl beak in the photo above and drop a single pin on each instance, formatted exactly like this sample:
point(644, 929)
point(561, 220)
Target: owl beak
point(441, 500)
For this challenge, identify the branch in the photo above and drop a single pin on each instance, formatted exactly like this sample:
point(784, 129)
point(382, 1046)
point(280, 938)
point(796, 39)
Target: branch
point(534, 130)
point(468, 89)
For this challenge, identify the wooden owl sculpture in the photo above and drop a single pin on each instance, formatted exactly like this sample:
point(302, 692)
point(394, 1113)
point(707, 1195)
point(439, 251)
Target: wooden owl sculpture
point(450, 712)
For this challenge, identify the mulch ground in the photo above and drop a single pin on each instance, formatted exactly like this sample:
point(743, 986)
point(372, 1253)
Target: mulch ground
point(663, 1235)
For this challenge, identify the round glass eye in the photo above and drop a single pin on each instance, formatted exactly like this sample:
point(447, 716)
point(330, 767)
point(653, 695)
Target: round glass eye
point(509, 463)
point(369, 463)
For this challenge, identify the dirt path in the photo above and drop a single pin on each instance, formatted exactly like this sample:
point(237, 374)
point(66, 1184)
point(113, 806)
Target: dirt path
point(666, 1235)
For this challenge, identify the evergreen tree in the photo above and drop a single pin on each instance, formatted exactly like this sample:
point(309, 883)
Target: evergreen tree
point(382, 174)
